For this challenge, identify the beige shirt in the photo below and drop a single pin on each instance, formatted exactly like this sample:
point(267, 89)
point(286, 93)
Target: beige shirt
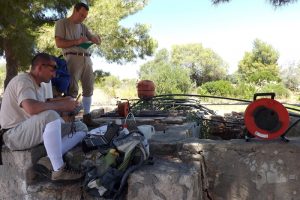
point(67, 30)
point(20, 88)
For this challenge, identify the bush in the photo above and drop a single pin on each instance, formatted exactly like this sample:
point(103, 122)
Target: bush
point(110, 84)
point(217, 88)
point(278, 88)
point(127, 90)
point(244, 90)
point(168, 79)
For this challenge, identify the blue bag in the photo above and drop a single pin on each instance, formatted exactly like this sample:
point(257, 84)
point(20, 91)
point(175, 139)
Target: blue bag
point(62, 79)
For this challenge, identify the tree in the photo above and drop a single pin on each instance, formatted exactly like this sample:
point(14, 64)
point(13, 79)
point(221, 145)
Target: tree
point(100, 75)
point(260, 64)
point(19, 23)
point(27, 26)
point(290, 76)
point(120, 44)
point(275, 3)
point(168, 78)
point(217, 88)
point(204, 64)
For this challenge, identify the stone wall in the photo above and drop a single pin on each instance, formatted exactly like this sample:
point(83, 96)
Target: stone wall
point(184, 168)
point(16, 172)
point(239, 170)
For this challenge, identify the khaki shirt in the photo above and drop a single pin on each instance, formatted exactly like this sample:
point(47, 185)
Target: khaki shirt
point(20, 88)
point(67, 30)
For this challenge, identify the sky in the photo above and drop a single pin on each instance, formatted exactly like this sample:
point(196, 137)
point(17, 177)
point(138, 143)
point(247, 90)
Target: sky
point(229, 29)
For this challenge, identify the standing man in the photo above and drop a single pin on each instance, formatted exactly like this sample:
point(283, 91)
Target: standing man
point(28, 119)
point(70, 33)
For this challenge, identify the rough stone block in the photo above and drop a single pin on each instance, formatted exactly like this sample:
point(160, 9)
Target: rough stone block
point(258, 169)
point(16, 173)
point(166, 179)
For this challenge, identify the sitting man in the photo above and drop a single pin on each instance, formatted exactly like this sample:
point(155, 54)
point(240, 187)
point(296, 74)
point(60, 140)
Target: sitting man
point(29, 119)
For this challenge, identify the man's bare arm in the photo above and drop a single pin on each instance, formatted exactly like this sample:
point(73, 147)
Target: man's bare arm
point(33, 107)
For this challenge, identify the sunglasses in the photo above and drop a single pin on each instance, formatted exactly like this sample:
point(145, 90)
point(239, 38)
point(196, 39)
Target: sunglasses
point(49, 65)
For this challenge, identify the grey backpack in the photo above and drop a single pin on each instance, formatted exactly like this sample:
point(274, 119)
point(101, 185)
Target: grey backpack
point(106, 176)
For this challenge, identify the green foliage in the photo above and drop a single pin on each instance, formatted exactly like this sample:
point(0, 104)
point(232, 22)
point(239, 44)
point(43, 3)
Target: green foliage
point(168, 78)
point(110, 84)
point(115, 88)
point(100, 76)
point(20, 22)
point(244, 90)
point(263, 75)
point(278, 88)
point(224, 88)
point(28, 26)
point(217, 88)
point(127, 89)
point(119, 44)
point(169, 70)
point(260, 64)
point(275, 3)
point(204, 64)
point(45, 40)
point(290, 76)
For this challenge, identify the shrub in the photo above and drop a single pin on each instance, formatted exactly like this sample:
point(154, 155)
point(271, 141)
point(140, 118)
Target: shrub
point(110, 84)
point(127, 89)
point(217, 88)
point(244, 90)
point(278, 88)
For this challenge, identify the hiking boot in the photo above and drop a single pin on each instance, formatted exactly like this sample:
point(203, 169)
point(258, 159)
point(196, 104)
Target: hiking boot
point(87, 119)
point(65, 174)
point(45, 162)
point(44, 167)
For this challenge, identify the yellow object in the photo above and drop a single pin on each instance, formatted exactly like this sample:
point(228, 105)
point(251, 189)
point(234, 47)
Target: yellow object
point(114, 152)
point(78, 97)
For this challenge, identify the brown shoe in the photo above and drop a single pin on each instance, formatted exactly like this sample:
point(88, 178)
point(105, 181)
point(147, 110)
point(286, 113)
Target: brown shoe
point(45, 162)
point(65, 174)
point(87, 119)
point(43, 167)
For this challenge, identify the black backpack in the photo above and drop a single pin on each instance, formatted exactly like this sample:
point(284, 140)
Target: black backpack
point(106, 177)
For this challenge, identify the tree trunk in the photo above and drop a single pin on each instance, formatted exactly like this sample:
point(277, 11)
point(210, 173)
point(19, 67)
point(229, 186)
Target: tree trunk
point(11, 62)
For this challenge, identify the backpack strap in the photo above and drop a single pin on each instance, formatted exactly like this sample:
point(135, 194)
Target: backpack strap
point(130, 169)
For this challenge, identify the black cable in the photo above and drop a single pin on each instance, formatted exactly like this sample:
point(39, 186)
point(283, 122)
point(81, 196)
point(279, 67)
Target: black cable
point(298, 120)
point(225, 122)
point(161, 97)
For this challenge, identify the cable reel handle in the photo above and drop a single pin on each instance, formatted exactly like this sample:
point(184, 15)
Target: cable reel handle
point(272, 94)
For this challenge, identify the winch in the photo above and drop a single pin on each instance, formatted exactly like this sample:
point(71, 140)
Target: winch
point(266, 118)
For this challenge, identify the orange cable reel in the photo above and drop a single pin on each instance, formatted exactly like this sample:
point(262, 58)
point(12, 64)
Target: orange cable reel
point(266, 118)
